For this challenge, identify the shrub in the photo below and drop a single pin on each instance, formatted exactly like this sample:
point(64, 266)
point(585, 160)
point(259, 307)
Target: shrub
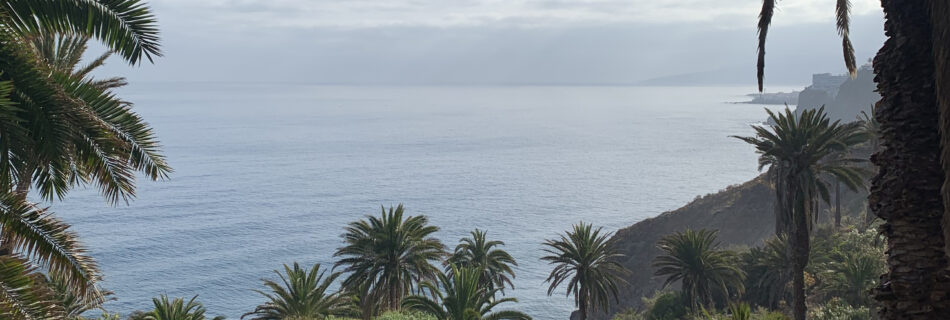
point(838, 310)
point(667, 306)
point(405, 315)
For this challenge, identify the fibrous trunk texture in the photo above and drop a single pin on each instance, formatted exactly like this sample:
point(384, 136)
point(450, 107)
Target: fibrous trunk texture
point(906, 193)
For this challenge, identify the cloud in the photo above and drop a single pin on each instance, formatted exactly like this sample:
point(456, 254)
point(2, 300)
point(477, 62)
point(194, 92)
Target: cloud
point(607, 53)
point(519, 13)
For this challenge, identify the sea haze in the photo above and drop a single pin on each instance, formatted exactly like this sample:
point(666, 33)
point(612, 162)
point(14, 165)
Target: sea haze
point(267, 174)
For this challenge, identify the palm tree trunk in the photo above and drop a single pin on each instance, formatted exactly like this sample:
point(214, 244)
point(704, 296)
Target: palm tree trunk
point(940, 26)
point(799, 246)
point(837, 204)
point(906, 191)
point(582, 305)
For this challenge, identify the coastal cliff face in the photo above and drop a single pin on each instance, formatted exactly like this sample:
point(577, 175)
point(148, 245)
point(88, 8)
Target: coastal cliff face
point(845, 103)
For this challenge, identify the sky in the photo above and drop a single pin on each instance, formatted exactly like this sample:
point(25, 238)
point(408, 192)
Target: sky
point(494, 42)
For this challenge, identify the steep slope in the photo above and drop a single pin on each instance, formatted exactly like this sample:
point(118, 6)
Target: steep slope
point(743, 214)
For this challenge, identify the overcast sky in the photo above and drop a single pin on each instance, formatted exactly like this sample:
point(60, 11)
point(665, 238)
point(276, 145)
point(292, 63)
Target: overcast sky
point(494, 41)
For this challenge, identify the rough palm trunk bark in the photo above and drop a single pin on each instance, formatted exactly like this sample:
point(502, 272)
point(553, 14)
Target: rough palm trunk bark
point(906, 191)
point(582, 305)
point(837, 204)
point(940, 26)
point(799, 245)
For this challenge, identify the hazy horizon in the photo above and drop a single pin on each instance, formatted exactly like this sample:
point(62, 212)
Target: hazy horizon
point(484, 42)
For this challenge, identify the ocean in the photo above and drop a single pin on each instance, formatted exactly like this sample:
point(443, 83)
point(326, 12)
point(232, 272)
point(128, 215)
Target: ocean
point(268, 174)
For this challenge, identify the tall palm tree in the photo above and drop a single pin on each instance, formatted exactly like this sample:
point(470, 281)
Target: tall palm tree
point(300, 295)
point(798, 151)
point(177, 309)
point(390, 254)
point(478, 252)
point(694, 258)
point(461, 295)
point(913, 75)
point(588, 260)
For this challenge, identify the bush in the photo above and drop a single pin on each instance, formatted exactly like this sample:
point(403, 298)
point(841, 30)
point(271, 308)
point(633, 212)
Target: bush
point(629, 314)
point(405, 315)
point(838, 310)
point(667, 306)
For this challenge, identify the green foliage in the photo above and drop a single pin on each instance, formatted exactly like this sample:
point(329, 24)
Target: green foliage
point(838, 310)
point(300, 295)
point(694, 258)
point(667, 306)
point(74, 305)
point(103, 316)
point(125, 26)
point(59, 130)
point(854, 262)
point(742, 312)
point(802, 152)
point(406, 315)
point(479, 252)
point(629, 314)
point(461, 295)
point(386, 256)
point(177, 309)
point(587, 260)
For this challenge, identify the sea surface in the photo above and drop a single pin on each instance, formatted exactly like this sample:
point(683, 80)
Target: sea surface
point(267, 174)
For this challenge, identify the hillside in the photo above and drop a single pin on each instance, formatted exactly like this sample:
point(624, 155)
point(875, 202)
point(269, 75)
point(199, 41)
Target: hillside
point(743, 214)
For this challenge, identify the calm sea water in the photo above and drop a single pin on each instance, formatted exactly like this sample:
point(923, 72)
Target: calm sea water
point(270, 174)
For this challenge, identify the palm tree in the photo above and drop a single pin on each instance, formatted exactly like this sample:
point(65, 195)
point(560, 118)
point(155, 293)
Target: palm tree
point(177, 309)
point(852, 276)
point(478, 252)
point(390, 253)
point(913, 76)
point(695, 260)
point(767, 272)
point(587, 260)
point(57, 131)
point(798, 151)
point(461, 295)
point(300, 295)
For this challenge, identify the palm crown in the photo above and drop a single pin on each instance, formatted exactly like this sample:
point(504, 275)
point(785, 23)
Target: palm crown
point(177, 309)
point(801, 149)
point(461, 295)
point(389, 254)
point(478, 252)
point(300, 295)
point(694, 258)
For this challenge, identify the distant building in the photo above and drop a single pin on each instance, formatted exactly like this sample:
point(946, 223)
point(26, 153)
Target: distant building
point(827, 82)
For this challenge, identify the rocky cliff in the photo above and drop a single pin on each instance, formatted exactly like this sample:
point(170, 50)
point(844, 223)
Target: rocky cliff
point(845, 103)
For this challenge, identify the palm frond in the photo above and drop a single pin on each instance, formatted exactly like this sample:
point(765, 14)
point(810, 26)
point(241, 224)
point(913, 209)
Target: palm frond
point(38, 235)
point(126, 26)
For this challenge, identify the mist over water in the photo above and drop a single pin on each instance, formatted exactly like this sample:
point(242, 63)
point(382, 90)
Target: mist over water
point(267, 174)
